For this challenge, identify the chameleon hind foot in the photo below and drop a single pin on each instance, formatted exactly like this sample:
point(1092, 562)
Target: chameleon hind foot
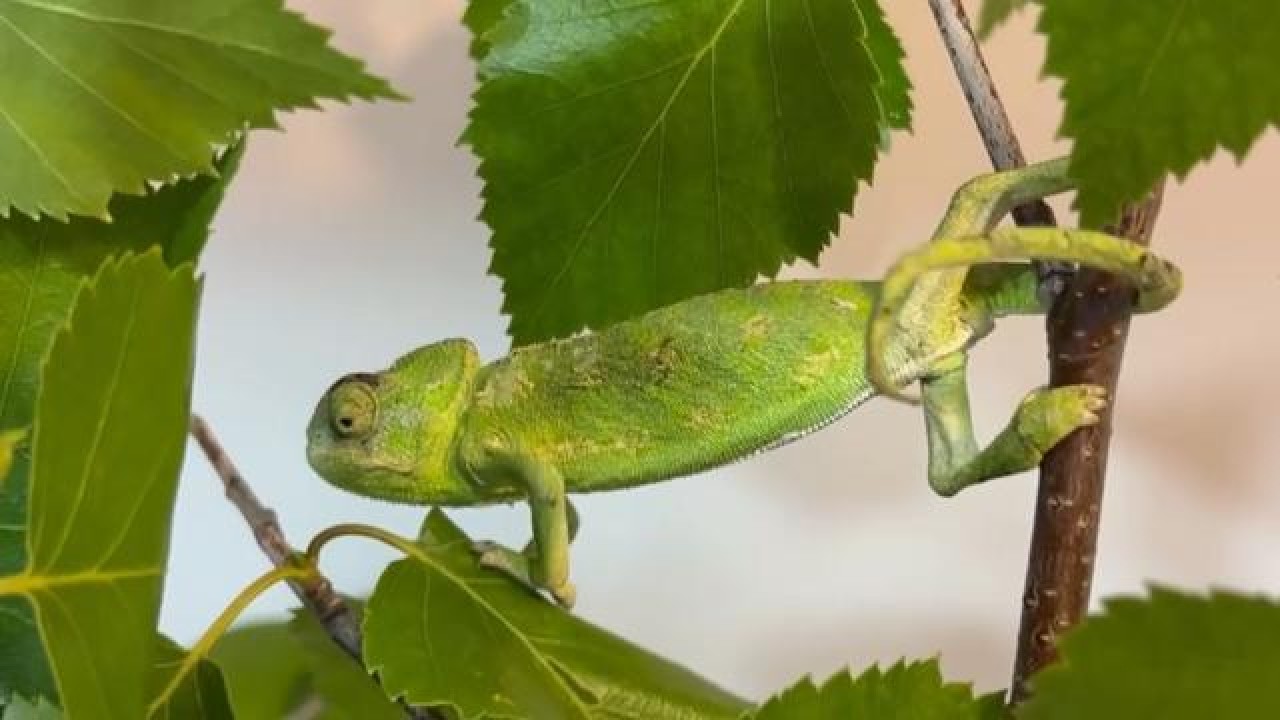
point(519, 567)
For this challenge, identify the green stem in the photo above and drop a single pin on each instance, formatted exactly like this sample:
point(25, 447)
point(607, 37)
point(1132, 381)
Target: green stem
point(322, 538)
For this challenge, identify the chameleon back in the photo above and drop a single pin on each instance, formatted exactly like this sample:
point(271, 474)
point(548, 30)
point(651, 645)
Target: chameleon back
point(684, 388)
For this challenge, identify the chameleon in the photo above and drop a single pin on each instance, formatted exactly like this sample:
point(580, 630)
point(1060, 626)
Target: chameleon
point(723, 376)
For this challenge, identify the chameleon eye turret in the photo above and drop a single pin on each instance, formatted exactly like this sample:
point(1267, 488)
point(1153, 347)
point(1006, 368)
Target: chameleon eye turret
point(353, 408)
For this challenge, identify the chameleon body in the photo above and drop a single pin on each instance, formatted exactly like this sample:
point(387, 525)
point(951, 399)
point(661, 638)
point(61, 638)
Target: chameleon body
point(720, 377)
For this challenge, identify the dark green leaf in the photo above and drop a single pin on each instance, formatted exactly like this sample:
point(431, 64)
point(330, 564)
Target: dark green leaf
point(1157, 86)
point(202, 694)
point(886, 52)
point(42, 266)
point(480, 17)
point(274, 669)
point(995, 12)
point(639, 153)
point(101, 96)
point(108, 440)
point(264, 670)
point(441, 631)
point(913, 691)
point(1171, 656)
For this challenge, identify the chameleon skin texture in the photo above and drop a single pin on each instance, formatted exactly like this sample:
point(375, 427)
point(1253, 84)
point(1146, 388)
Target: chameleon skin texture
point(682, 389)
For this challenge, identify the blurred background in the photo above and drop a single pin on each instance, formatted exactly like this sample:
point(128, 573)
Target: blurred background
point(351, 238)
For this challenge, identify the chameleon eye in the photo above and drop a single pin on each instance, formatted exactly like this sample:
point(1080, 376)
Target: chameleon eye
point(352, 409)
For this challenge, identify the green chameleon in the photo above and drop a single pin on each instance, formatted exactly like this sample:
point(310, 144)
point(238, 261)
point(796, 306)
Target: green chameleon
point(720, 377)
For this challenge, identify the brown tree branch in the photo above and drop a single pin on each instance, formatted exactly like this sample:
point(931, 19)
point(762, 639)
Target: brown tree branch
point(1087, 327)
point(316, 593)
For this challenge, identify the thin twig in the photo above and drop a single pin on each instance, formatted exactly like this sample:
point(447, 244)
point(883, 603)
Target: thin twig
point(316, 593)
point(993, 123)
point(1087, 328)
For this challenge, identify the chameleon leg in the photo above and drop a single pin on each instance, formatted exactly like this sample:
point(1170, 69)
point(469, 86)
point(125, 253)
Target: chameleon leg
point(545, 562)
point(1156, 280)
point(1042, 419)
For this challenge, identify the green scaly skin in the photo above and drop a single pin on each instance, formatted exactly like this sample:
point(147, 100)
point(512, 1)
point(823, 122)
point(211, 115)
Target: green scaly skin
point(721, 377)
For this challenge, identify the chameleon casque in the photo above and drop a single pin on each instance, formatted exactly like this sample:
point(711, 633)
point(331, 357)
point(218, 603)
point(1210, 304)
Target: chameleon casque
point(720, 377)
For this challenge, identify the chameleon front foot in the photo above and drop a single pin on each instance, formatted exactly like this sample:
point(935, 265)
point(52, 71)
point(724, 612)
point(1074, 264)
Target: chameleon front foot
point(1042, 420)
point(518, 567)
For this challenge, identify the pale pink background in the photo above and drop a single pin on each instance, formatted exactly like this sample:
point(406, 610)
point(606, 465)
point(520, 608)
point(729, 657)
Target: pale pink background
point(352, 238)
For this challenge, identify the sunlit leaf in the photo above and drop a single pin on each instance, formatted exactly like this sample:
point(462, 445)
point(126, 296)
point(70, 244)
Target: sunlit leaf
point(102, 96)
point(442, 631)
point(42, 266)
point(108, 440)
point(638, 153)
point(1170, 656)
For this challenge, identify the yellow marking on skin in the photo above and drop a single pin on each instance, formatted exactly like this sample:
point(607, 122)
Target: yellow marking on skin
point(756, 328)
point(815, 367)
point(844, 304)
point(702, 418)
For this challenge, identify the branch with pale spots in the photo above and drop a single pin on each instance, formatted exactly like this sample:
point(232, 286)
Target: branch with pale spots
point(1087, 327)
point(315, 591)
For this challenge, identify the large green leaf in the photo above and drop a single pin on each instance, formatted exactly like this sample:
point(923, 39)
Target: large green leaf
point(1171, 656)
point(42, 266)
point(101, 96)
point(273, 669)
point(202, 695)
point(108, 439)
point(637, 153)
point(1157, 86)
point(906, 691)
point(442, 631)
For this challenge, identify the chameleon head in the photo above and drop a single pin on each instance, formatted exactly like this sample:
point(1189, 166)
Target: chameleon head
point(390, 435)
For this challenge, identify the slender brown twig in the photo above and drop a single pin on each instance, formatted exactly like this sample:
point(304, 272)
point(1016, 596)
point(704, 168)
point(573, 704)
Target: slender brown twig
point(993, 123)
point(316, 593)
point(1087, 326)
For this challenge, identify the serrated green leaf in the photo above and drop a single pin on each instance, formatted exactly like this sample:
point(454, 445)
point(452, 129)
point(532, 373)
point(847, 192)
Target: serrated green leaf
point(42, 266)
point(638, 153)
point(19, 708)
point(1171, 656)
point(202, 694)
point(102, 96)
point(1157, 87)
point(108, 440)
point(906, 691)
point(442, 631)
point(894, 87)
point(996, 12)
point(480, 17)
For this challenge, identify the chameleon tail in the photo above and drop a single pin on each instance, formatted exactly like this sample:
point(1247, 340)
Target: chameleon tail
point(1156, 281)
